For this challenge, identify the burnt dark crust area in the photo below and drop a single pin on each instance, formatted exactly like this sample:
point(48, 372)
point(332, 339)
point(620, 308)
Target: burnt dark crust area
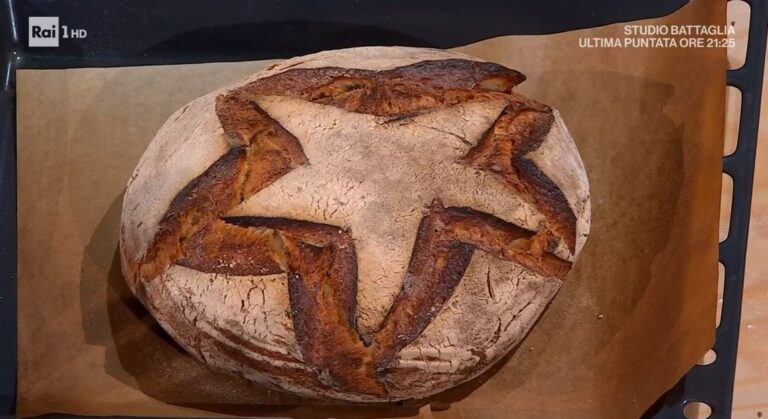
point(401, 91)
point(550, 200)
point(320, 260)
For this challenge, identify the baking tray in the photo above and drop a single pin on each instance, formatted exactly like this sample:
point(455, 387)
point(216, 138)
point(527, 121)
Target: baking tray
point(148, 32)
point(713, 384)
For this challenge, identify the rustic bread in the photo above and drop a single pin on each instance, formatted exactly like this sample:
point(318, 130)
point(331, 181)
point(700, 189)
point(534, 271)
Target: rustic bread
point(367, 224)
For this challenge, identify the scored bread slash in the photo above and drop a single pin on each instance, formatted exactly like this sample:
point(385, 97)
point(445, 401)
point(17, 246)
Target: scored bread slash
point(417, 213)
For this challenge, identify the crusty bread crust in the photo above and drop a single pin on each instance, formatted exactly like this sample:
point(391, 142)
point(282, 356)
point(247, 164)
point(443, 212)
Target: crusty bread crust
point(367, 224)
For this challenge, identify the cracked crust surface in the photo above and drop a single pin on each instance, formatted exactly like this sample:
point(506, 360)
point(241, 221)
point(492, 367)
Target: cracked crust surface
point(333, 228)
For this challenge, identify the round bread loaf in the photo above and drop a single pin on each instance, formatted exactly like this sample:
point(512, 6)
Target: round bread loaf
point(368, 224)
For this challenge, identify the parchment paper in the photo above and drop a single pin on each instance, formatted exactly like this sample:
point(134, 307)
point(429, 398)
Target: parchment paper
point(634, 315)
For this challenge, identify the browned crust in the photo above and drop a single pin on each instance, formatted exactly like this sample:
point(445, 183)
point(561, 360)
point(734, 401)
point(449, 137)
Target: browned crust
point(317, 283)
point(444, 245)
point(502, 150)
point(267, 154)
point(436, 267)
point(294, 232)
point(296, 377)
point(240, 341)
point(322, 276)
point(174, 316)
point(320, 259)
point(322, 280)
point(222, 248)
point(194, 207)
point(505, 240)
point(403, 90)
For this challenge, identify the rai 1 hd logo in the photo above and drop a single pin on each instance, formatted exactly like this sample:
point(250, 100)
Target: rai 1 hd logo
point(45, 31)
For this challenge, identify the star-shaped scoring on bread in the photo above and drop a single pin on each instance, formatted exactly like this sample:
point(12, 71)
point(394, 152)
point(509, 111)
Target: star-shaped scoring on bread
point(332, 204)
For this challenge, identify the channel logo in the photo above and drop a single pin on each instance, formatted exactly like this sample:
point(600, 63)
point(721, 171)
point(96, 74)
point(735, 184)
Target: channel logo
point(43, 31)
